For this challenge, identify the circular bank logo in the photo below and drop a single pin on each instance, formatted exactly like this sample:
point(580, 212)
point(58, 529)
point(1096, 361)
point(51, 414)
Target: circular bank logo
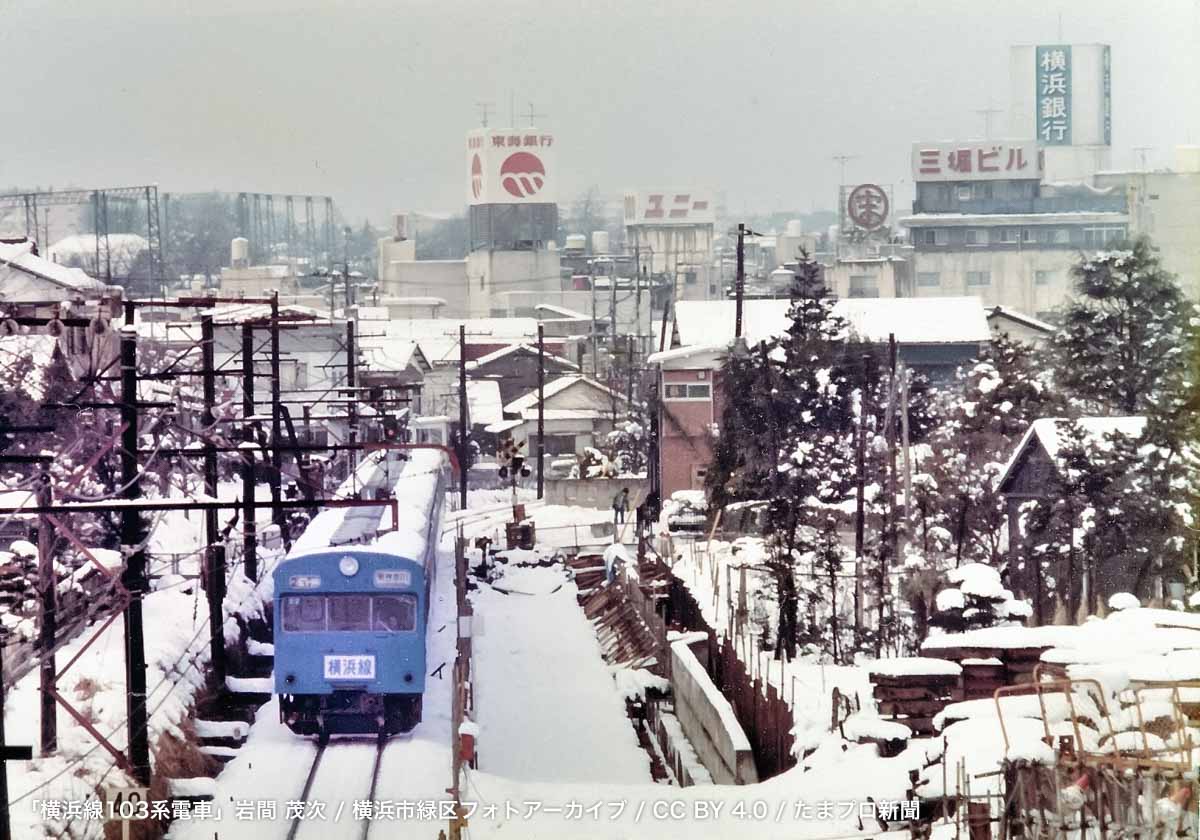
point(522, 174)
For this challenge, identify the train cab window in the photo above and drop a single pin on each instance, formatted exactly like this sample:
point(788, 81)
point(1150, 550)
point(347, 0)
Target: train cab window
point(304, 613)
point(349, 612)
point(394, 613)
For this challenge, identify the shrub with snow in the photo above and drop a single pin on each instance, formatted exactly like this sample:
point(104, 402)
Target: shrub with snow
point(1123, 601)
point(975, 597)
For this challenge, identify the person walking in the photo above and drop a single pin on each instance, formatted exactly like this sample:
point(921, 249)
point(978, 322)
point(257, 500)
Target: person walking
point(620, 506)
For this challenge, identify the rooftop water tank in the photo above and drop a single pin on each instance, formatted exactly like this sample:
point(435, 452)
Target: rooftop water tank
point(795, 227)
point(599, 242)
point(239, 252)
point(576, 242)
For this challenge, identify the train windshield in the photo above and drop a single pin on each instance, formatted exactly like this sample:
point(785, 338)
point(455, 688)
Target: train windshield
point(349, 613)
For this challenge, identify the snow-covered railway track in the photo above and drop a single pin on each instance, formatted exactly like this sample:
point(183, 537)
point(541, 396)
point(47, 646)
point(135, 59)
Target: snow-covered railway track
point(336, 788)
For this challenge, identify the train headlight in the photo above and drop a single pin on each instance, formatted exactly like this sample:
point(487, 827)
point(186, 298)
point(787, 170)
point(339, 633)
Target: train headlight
point(348, 566)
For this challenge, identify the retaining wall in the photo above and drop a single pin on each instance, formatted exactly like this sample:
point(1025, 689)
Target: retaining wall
point(709, 722)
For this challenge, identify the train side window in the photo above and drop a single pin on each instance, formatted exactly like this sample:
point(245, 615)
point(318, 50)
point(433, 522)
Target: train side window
point(349, 612)
point(304, 613)
point(395, 613)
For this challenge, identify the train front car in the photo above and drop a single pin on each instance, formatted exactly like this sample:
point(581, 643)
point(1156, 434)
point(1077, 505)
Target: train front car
point(350, 642)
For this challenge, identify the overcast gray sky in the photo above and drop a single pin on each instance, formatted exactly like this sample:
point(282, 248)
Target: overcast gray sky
point(368, 101)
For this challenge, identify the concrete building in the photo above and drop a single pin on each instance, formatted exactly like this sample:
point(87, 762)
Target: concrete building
point(933, 337)
point(985, 224)
point(1165, 204)
point(672, 233)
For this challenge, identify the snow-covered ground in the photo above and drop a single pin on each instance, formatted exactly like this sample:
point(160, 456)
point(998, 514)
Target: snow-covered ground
point(175, 617)
point(544, 696)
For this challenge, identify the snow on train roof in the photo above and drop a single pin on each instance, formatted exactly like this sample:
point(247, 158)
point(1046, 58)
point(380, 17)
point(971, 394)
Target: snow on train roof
point(413, 491)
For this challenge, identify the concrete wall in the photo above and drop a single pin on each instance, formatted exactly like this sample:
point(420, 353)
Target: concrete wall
point(595, 492)
point(1032, 281)
point(491, 273)
point(1166, 206)
point(446, 279)
point(709, 722)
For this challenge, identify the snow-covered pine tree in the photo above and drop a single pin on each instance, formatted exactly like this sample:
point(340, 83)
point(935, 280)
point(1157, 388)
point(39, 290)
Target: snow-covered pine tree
point(1123, 336)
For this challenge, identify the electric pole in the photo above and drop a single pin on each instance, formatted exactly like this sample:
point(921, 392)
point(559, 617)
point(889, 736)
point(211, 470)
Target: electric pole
point(739, 286)
point(276, 433)
point(541, 421)
point(462, 416)
point(133, 535)
point(351, 383)
point(860, 450)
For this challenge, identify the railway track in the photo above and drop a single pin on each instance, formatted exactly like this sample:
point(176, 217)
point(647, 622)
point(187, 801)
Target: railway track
point(336, 791)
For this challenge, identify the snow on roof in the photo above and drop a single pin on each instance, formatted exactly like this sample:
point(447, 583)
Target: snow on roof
point(483, 401)
point(556, 386)
point(123, 249)
point(992, 219)
point(502, 426)
point(932, 320)
point(684, 352)
point(242, 313)
point(565, 414)
point(384, 353)
point(1048, 432)
point(520, 347)
point(562, 312)
point(438, 337)
point(1021, 318)
point(19, 256)
point(372, 313)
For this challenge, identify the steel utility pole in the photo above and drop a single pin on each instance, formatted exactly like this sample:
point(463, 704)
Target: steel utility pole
point(215, 555)
point(48, 623)
point(133, 535)
point(541, 421)
point(462, 416)
point(249, 523)
point(860, 450)
point(277, 515)
point(739, 283)
point(351, 380)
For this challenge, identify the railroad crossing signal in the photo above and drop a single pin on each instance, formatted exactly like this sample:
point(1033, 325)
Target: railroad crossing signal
point(511, 456)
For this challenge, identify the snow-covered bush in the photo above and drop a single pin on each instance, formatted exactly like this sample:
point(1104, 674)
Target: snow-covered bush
point(975, 597)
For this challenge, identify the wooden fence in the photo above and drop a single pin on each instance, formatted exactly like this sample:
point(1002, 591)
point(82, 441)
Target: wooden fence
point(761, 709)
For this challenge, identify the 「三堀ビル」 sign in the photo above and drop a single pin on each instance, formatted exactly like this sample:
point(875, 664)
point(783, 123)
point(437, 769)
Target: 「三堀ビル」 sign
point(1053, 101)
point(979, 160)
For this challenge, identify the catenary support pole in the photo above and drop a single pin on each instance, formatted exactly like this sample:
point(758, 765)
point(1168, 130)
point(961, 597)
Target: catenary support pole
point(133, 535)
point(47, 620)
point(214, 554)
point(249, 514)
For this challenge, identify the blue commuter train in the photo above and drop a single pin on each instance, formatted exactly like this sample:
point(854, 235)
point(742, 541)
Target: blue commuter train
point(350, 621)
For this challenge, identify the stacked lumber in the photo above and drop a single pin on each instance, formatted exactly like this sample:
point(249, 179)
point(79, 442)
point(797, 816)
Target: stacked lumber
point(14, 586)
point(981, 677)
point(914, 690)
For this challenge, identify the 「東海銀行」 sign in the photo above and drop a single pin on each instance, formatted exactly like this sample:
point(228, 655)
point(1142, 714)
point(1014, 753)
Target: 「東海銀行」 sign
point(509, 166)
point(979, 160)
